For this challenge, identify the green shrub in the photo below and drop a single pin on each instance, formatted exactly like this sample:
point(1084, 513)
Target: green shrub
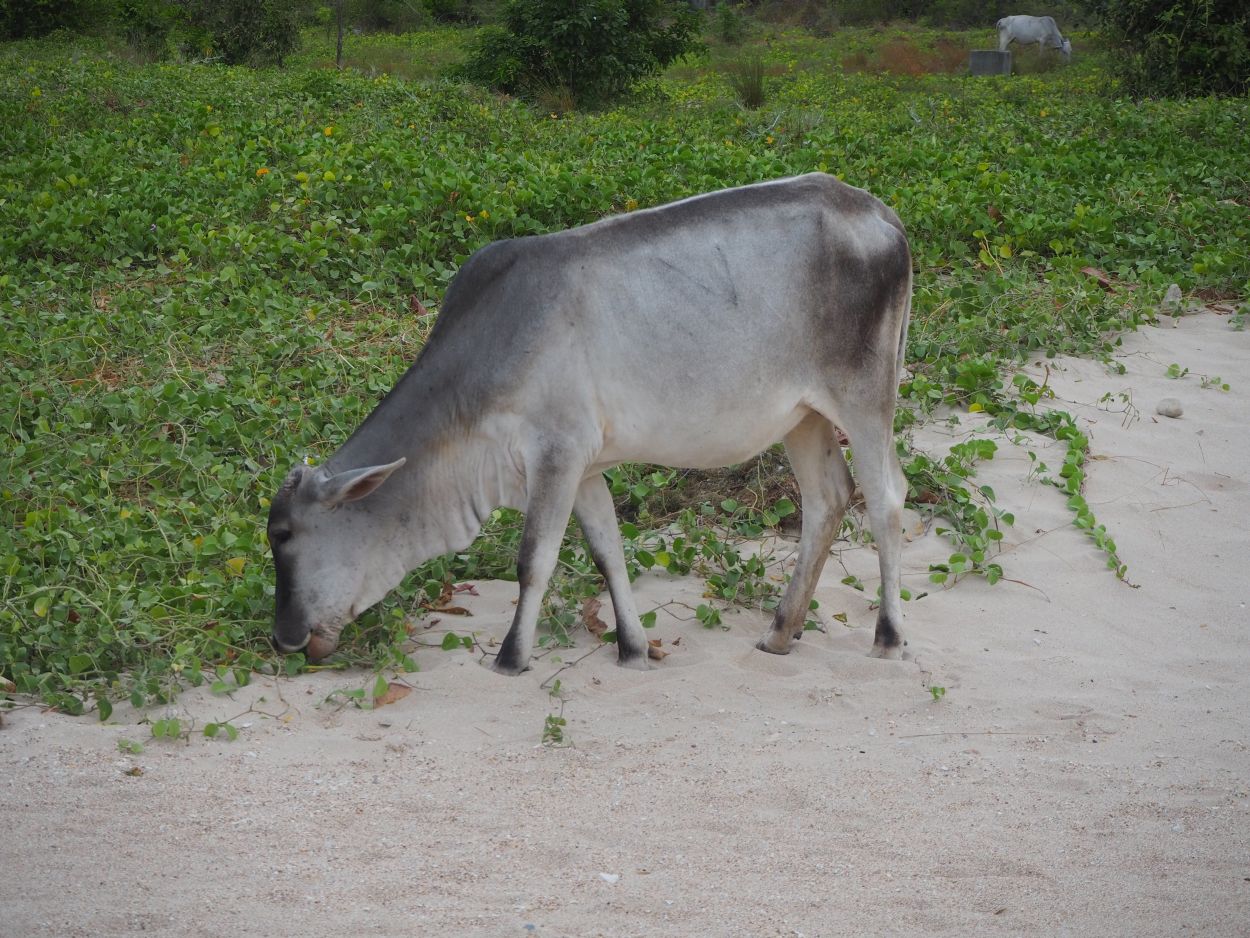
point(729, 25)
point(1181, 46)
point(593, 49)
point(246, 32)
point(148, 24)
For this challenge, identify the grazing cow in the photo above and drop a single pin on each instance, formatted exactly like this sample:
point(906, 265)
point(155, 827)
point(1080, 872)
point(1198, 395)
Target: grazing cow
point(694, 334)
point(1030, 29)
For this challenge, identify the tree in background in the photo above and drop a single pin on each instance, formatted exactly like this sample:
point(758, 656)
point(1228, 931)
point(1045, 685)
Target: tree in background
point(1181, 46)
point(589, 50)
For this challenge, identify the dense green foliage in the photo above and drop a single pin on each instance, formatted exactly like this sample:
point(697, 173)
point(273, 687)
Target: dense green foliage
point(20, 19)
point(237, 32)
point(1181, 46)
point(208, 273)
point(592, 50)
point(245, 32)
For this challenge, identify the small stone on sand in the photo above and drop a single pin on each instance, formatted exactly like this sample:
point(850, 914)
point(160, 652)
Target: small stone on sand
point(1169, 407)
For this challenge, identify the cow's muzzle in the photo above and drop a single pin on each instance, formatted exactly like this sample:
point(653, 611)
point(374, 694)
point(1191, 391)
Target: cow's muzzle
point(316, 647)
point(283, 648)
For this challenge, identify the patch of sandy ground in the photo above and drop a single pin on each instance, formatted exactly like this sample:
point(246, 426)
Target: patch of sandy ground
point(1086, 773)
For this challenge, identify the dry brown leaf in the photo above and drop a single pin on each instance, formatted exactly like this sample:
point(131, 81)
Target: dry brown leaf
point(393, 693)
point(590, 618)
point(444, 599)
point(6, 685)
point(444, 595)
point(1101, 276)
point(654, 651)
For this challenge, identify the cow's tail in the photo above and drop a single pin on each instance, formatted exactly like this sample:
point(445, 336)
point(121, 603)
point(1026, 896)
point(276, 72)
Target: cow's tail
point(902, 332)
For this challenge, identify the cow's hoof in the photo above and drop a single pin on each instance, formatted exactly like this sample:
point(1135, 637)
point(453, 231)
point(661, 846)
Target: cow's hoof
point(889, 652)
point(634, 663)
point(774, 644)
point(508, 669)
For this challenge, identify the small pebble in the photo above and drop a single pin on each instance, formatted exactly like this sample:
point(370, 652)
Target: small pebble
point(1171, 299)
point(1169, 407)
point(609, 877)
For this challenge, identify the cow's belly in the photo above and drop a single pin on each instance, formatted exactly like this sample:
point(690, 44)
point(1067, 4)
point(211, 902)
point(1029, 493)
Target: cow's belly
point(675, 438)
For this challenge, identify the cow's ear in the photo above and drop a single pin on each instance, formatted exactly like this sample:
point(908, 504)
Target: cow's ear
point(355, 483)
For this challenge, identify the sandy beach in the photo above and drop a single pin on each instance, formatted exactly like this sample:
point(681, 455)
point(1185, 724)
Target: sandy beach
point(1086, 771)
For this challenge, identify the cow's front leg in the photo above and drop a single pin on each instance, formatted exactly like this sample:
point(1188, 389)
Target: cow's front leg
point(546, 516)
point(597, 516)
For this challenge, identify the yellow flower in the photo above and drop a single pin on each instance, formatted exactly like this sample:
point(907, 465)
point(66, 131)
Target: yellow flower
point(483, 214)
point(329, 131)
point(469, 219)
point(263, 171)
point(631, 204)
point(768, 139)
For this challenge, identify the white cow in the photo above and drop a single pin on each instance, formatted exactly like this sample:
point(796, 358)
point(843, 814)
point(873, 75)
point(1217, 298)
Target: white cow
point(1030, 29)
point(695, 334)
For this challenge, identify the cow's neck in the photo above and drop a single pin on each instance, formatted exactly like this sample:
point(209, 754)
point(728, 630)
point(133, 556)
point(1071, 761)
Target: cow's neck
point(455, 486)
point(459, 467)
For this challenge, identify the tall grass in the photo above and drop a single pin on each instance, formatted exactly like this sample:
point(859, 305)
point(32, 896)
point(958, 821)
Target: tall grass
point(747, 78)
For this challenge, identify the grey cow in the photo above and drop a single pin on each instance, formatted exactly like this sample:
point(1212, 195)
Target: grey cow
point(695, 334)
point(1030, 29)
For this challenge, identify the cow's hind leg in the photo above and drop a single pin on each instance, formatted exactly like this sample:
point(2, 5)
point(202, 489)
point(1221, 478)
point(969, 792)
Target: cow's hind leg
point(881, 478)
point(825, 484)
point(547, 512)
point(597, 517)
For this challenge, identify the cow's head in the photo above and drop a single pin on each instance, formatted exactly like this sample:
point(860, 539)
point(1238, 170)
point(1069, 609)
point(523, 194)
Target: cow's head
point(334, 554)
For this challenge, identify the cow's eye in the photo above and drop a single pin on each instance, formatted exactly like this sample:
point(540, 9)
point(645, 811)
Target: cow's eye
point(279, 536)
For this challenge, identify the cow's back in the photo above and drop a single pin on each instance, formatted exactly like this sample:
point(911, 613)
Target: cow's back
point(722, 309)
